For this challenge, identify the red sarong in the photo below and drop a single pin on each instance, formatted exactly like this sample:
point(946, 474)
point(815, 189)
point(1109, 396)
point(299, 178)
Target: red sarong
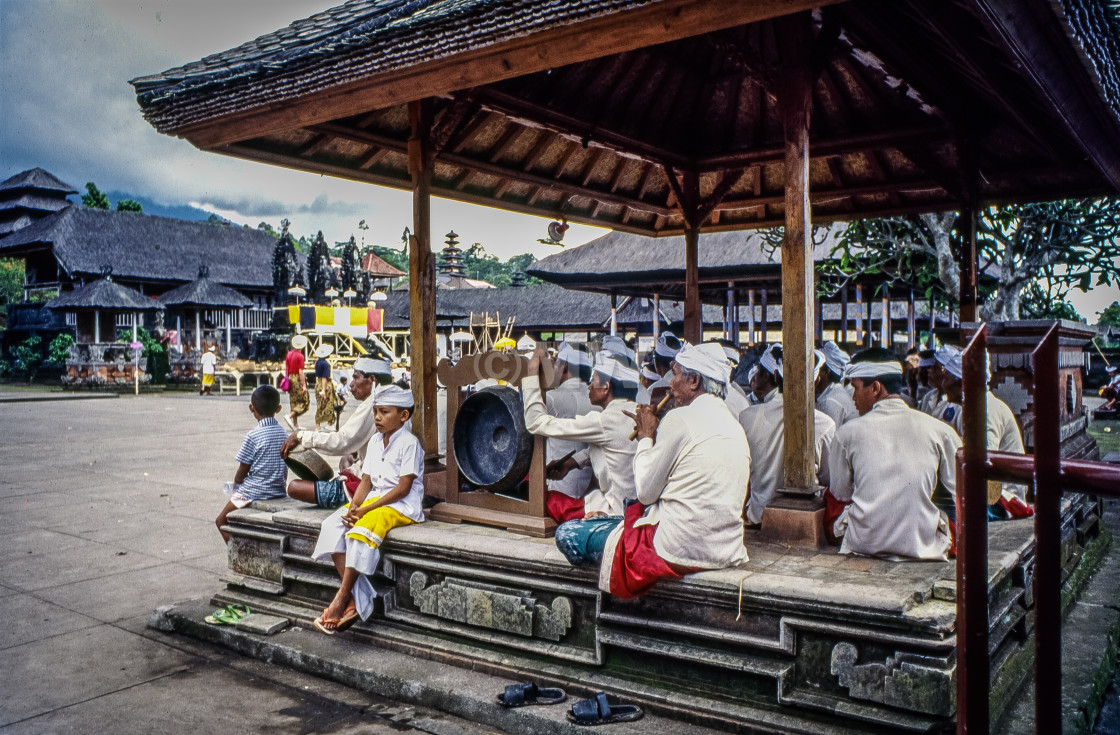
point(832, 510)
point(563, 507)
point(636, 566)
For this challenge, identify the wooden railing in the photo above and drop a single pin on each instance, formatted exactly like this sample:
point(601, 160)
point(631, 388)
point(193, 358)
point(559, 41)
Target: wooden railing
point(1050, 476)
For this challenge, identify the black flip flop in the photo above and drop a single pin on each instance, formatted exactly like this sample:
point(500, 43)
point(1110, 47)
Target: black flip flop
point(598, 711)
point(521, 695)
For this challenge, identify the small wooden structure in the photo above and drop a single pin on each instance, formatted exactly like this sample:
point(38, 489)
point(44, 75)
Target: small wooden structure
point(97, 359)
point(522, 516)
point(200, 295)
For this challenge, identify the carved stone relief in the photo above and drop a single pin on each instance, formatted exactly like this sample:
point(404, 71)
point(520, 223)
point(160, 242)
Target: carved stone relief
point(906, 680)
point(487, 606)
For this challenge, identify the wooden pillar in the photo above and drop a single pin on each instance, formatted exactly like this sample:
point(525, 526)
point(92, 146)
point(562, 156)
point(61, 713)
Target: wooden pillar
point(751, 336)
point(656, 316)
point(693, 328)
point(795, 102)
point(198, 329)
point(844, 316)
point(736, 324)
point(422, 277)
point(859, 315)
point(969, 266)
point(911, 322)
point(764, 326)
point(229, 331)
point(885, 337)
point(614, 313)
point(96, 326)
point(818, 321)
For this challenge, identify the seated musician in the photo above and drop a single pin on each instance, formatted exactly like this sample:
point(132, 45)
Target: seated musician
point(765, 428)
point(353, 437)
point(606, 433)
point(691, 470)
point(661, 359)
point(886, 464)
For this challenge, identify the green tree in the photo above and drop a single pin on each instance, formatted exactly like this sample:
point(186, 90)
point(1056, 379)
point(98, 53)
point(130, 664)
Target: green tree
point(11, 280)
point(1110, 316)
point(28, 356)
point(93, 198)
point(1035, 253)
point(130, 205)
point(59, 349)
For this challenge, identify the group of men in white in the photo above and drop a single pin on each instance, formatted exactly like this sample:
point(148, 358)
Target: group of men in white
point(655, 470)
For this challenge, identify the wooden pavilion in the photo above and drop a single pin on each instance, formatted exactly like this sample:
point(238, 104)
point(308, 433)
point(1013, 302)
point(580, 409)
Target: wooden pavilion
point(198, 296)
point(669, 116)
point(666, 117)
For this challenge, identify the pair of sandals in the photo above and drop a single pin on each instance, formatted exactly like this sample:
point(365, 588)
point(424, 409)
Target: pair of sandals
point(597, 710)
point(349, 617)
point(228, 615)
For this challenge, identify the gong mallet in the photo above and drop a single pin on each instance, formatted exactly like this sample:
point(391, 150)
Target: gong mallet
point(656, 412)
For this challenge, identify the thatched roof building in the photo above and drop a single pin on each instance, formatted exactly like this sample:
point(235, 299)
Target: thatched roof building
point(104, 294)
point(204, 292)
point(29, 196)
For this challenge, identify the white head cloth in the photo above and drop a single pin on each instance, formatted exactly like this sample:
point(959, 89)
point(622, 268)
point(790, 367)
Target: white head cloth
point(1110, 369)
point(732, 354)
point(945, 354)
point(393, 395)
point(608, 364)
point(707, 359)
point(926, 362)
point(768, 362)
point(618, 347)
point(572, 356)
point(955, 366)
point(371, 366)
point(818, 356)
point(668, 345)
point(752, 372)
point(649, 373)
point(872, 369)
point(835, 358)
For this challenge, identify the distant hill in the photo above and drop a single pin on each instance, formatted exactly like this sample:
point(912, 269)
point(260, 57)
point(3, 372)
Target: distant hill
point(178, 211)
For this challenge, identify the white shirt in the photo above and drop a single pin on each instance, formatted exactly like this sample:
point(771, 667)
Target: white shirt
point(837, 404)
point(386, 465)
point(1002, 435)
point(888, 463)
point(929, 401)
point(693, 479)
point(736, 399)
point(209, 360)
point(609, 448)
point(566, 401)
point(765, 428)
point(354, 436)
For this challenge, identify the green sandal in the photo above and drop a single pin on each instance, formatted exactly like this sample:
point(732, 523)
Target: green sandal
point(222, 617)
point(238, 611)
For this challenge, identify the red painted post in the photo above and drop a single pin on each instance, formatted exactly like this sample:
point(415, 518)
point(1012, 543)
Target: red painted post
point(972, 547)
point(1047, 531)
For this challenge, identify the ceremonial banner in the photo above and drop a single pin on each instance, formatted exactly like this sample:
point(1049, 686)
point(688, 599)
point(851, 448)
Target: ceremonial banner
point(375, 320)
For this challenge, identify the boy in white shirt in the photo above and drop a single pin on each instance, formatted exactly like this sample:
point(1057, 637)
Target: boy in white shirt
point(390, 495)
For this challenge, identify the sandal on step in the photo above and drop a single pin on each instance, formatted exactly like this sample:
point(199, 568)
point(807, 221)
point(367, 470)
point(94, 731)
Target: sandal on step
point(520, 695)
point(322, 620)
point(221, 616)
point(598, 711)
point(348, 619)
point(238, 611)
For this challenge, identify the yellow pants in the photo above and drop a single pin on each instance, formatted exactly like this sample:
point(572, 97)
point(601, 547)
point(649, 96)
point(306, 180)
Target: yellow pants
point(375, 524)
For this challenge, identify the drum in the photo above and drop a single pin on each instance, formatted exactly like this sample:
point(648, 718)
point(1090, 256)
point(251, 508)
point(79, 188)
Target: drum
point(306, 464)
point(492, 447)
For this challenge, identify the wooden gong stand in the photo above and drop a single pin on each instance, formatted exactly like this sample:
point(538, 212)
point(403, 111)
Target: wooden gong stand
point(519, 516)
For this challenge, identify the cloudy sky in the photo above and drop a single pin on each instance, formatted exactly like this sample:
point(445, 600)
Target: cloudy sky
point(67, 107)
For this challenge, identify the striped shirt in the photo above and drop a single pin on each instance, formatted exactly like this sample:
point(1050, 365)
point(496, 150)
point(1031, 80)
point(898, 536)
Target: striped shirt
point(261, 451)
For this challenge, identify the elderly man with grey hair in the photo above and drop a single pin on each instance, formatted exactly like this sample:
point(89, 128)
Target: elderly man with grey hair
point(691, 471)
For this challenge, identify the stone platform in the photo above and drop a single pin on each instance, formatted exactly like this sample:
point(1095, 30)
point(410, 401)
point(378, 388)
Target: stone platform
point(794, 641)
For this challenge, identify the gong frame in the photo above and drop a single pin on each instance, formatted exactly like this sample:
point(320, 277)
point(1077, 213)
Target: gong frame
point(527, 517)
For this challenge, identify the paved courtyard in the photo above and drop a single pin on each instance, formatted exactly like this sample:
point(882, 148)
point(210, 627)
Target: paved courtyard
point(106, 512)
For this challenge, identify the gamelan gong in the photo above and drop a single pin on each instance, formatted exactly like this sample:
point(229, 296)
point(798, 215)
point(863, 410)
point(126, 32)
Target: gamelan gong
point(493, 449)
